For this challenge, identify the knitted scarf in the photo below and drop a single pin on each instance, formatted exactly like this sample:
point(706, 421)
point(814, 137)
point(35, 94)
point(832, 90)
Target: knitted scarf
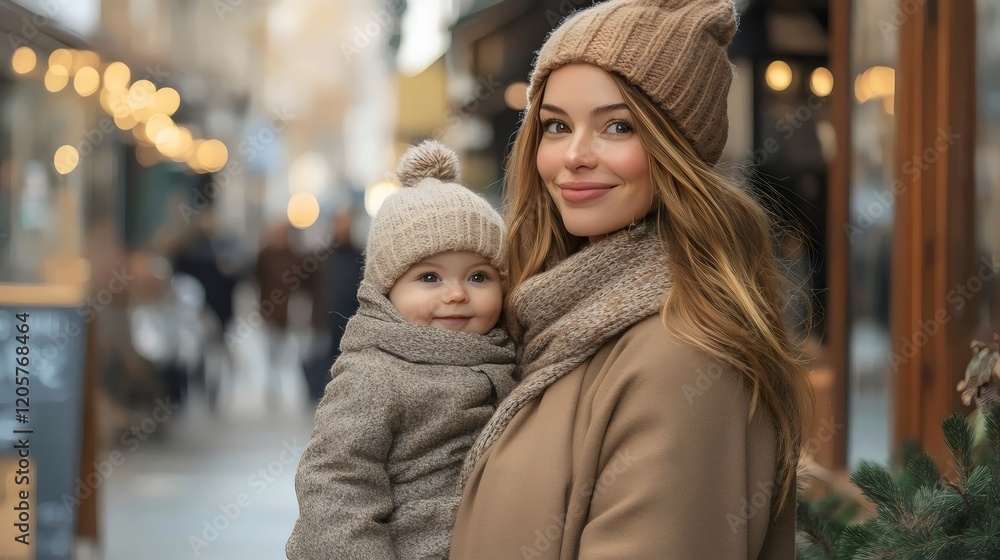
point(566, 313)
point(378, 324)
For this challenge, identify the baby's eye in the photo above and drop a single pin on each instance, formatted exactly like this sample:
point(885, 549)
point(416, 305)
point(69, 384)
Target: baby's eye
point(555, 127)
point(478, 277)
point(619, 127)
point(429, 277)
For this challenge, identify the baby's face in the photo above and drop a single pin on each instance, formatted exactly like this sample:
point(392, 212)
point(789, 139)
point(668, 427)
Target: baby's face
point(457, 290)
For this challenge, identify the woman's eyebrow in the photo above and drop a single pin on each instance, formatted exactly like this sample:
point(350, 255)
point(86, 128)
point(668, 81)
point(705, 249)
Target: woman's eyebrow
point(609, 109)
point(594, 112)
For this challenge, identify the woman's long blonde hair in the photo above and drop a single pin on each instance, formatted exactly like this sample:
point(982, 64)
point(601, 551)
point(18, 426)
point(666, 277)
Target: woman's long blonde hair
point(726, 296)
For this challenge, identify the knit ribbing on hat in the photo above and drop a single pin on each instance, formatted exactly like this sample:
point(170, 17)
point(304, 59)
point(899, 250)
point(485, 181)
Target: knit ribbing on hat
point(674, 51)
point(429, 216)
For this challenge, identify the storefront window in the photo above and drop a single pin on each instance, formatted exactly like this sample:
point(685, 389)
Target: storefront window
point(874, 57)
point(42, 178)
point(987, 164)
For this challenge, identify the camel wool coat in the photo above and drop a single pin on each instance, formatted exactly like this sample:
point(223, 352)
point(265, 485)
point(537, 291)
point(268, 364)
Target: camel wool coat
point(642, 452)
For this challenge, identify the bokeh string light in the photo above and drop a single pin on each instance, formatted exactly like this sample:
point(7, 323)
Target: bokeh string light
point(139, 107)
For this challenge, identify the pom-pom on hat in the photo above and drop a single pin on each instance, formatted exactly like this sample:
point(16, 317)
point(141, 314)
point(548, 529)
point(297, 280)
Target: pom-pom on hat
point(674, 51)
point(431, 214)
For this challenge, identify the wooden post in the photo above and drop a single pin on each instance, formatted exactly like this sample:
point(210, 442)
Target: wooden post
point(838, 199)
point(934, 241)
point(87, 520)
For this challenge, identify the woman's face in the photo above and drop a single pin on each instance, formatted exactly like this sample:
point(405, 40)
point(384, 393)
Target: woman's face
point(590, 158)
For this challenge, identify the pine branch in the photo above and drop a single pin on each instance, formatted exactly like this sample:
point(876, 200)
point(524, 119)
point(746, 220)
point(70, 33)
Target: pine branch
point(950, 507)
point(904, 546)
point(958, 436)
point(980, 484)
point(924, 515)
point(992, 453)
point(940, 548)
point(993, 435)
point(892, 541)
point(961, 492)
point(921, 472)
point(812, 522)
point(877, 484)
point(984, 535)
point(921, 514)
point(854, 538)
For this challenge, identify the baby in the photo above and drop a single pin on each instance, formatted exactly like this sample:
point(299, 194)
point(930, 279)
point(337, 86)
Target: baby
point(423, 366)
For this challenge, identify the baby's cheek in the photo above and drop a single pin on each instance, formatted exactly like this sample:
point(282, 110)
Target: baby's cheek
point(427, 311)
point(495, 300)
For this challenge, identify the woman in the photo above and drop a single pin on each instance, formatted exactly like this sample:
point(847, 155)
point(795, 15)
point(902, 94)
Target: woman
point(661, 398)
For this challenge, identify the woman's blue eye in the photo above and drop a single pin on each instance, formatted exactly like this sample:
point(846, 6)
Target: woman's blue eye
point(619, 127)
point(478, 278)
point(429, 277)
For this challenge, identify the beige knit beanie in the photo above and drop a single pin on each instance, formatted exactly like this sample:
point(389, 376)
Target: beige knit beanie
point(672, 50)
point(432, 214)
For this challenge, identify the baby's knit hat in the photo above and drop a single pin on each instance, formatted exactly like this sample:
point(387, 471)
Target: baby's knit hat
point(672, 50)
point(432, 214)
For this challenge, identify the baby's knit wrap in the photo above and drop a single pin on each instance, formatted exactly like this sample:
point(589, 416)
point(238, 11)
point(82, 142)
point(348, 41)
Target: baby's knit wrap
point(377, 479)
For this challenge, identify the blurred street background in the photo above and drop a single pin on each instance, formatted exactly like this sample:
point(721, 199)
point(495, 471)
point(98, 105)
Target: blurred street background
point(186, 188)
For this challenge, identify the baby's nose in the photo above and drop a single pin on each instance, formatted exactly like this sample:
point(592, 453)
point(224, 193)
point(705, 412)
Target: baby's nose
point(455, 292)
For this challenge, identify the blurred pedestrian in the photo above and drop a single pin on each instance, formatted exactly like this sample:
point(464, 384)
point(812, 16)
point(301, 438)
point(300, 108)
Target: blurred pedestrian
point(283, 273)
point(342, 273)
point(215, 261)
point(201, 258)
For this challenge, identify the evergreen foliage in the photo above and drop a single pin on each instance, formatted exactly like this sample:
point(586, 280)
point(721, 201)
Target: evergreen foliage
point(921, 514)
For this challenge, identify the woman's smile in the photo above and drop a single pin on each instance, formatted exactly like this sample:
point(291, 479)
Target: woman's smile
point(577, 193)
